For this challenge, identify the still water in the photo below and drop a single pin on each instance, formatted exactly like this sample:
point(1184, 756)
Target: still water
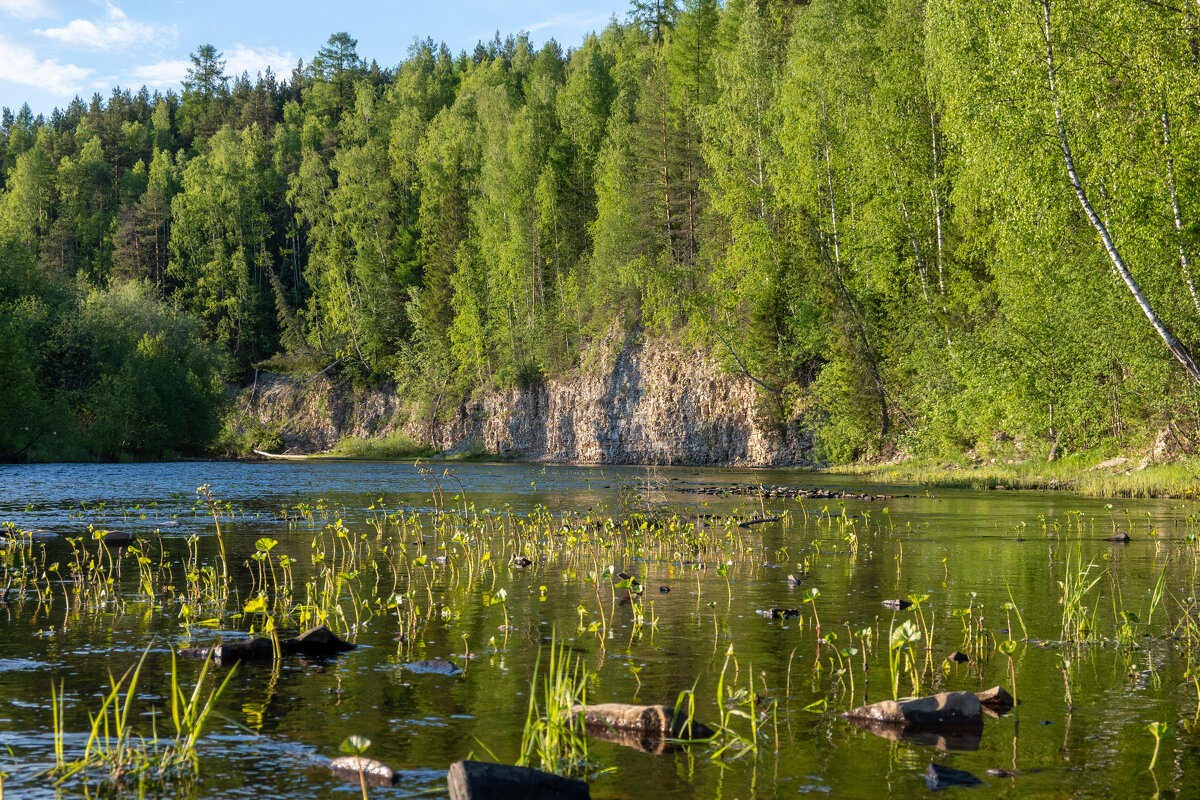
point(971, 553)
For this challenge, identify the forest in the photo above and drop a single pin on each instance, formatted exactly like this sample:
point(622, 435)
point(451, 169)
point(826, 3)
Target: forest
point(933, 225)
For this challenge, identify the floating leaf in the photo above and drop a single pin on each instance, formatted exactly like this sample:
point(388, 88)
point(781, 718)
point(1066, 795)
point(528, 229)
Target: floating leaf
point(355, 745)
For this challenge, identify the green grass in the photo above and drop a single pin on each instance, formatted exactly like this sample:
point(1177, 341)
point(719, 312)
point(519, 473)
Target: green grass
point(1076, 474)
point(395, 445)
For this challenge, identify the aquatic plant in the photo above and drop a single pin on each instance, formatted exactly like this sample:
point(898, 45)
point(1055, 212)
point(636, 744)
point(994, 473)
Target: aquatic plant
point(116, 753)
point(553, 736)
point(356, 745)
point(1160, 731)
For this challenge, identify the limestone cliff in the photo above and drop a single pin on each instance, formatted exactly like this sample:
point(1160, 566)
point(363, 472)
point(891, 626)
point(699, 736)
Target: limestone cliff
point(632, 402)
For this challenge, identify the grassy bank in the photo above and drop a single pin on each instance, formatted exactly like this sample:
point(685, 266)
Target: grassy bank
point(393, 446)
point(1082, 473)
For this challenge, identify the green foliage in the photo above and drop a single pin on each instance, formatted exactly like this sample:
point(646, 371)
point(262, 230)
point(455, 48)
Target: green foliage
point(855, 204)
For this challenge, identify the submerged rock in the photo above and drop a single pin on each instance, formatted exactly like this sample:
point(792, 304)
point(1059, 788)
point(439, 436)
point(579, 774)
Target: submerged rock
point(477, 780)
point(897, 605)
point(118, 538)
point(1120, 537)
point(257, 649)
point(939, 777)
point(375, 773)
point(658, 722)
point(946, 709)
point(436, 666)
point(760, 521)
point(317, 642)
point(959, 657)
point(778, 613)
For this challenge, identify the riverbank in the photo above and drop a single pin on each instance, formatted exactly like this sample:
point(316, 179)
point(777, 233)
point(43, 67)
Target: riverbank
point(1083, 473)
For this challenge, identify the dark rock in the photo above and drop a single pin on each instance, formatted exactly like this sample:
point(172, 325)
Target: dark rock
point(257, 649)
point(793, 580)
point(761, 521)
point(374, 773)
point(477, 780)
point(435, 666)
point(996, 698)
point(939, 777)
point(944, 710)
point(665, 589)
point(959, 657)
point(897, 605)
point(778, 613)
point(653, 722)
point(118, 538)
point(317, 642)
point(1120, 537)
point(520, 562)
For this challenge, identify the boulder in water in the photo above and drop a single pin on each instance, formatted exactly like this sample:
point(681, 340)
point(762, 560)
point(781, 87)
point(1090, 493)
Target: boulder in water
point(317, 642)
point(373, 772)
point(477, 780)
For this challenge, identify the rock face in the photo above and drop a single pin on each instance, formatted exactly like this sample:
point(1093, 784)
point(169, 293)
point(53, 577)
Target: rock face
point(477, 780)
point(631, 401)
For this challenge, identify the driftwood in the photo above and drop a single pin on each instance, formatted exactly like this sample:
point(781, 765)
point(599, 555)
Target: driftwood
point(657, 722)
point(283, 456)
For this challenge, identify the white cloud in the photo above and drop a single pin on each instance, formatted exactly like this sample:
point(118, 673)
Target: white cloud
point(171, 73)
point(160, 75)
point(246, 59)
point(117, 32)
point(26, 9)
point(19, 64)
point(583, 18)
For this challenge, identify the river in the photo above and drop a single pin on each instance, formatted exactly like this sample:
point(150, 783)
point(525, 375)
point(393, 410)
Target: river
point(277, 723)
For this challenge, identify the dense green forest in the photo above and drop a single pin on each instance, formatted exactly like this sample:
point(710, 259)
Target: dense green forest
point(932, 225)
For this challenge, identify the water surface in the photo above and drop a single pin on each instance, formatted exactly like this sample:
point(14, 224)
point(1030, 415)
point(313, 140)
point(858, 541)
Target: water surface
point(278, 723)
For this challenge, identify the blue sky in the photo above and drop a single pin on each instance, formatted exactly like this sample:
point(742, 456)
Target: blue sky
point(51, 50)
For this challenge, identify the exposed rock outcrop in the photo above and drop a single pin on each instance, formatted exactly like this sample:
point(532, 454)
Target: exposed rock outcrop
point(636, 401)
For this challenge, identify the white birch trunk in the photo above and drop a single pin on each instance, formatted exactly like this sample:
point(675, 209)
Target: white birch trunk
point(1176, 347)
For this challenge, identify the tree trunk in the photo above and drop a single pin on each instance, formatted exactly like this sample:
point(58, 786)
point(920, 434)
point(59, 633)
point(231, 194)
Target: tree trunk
point(849, 301)
point(1183, 259)
point(1177, 348)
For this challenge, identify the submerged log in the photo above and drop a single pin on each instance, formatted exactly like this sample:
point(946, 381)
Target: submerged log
point(657, 722)
point(944, 710)
point(477, 780)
